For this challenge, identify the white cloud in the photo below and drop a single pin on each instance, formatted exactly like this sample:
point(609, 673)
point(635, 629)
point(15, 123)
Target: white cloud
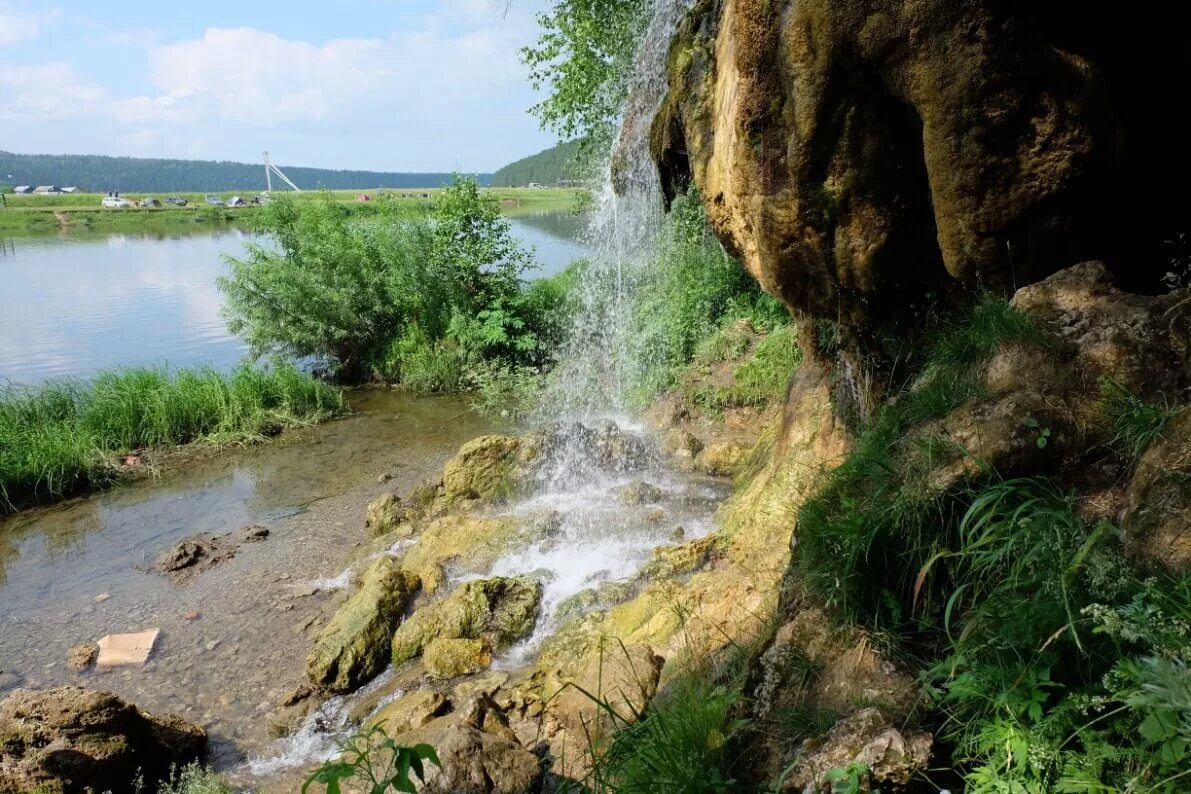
point(50, 91)
point(18, 25)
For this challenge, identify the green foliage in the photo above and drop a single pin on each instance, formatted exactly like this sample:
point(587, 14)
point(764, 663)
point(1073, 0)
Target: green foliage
point(1136, 424)
point(376, 762)
point(877, 522)
point(417, 298)
point(128, 174)
point(553, 166)
point(57, 439)
point(194, 779)
point(759, 380)
point(582, 59)
point(691, 289)
point(683, 742)
point(1051, 665)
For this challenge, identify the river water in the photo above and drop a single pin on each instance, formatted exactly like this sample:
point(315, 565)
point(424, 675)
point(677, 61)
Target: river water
point(71, 305)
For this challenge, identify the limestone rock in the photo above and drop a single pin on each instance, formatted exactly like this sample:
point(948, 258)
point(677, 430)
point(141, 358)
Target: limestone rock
point(478, 751)
point(638, 492)
point(1157, 519)
point(863, 157)
point(352, 648)
point(501, 610)
point(70, 740)
point(723, 459)
point(452, 658)
point(482, 469)
point(681, 444)
point(866, 737)
point(474, 543)
point(384, 514)
point(669, 561)
point(409, 712)
point(80, 657)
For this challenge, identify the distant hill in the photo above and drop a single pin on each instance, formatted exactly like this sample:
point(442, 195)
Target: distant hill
point(100, 174)
point(551, 167)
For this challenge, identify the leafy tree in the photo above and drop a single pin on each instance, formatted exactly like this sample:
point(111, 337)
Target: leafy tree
point(583, 59)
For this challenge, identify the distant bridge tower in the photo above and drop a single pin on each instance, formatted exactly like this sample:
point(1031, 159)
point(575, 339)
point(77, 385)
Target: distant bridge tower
point(271, 169)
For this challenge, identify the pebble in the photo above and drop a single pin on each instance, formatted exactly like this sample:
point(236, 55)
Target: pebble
point(192, 615)
point(99, 599)
point(213, 644)
point(384, 478)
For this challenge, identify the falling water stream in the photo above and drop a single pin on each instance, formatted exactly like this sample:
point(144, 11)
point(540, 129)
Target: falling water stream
point(603, 539)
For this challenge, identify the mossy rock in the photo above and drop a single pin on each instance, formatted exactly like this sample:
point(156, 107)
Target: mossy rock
point(638, 492)
point(474, 543)
point(452, 658)
point(723, 459)
point(670, 561)
point(482, 469)
point(408, 712)
point(351, 650)
point(501, 610)
point(384, 514)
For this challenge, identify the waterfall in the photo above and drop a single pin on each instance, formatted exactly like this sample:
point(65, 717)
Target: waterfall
point(595, 365)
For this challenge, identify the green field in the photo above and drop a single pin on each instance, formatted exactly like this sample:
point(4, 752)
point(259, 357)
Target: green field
point(83, 211)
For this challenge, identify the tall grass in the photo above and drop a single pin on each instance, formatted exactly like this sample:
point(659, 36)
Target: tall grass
point(60, 438)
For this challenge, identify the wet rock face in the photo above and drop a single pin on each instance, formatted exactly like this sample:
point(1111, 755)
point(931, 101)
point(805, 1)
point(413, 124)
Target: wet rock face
point(71, 740)
point(353, 648)
point(867, 157)
point(499, 610)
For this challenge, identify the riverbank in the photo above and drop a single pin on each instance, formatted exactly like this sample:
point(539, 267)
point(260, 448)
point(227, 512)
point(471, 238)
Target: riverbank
point(82, 211)
point(68, 437)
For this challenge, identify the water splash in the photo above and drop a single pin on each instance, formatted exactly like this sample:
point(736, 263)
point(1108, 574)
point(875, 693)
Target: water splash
point(594, 371)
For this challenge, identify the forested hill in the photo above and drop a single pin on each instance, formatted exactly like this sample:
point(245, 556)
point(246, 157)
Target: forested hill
point(550, 167)
point(100, 174)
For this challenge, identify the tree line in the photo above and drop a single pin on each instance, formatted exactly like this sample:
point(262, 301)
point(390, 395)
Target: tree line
point(99, 173)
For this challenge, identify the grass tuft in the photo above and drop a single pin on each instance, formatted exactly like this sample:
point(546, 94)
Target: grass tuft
point(59, 439)
point(1136, 424)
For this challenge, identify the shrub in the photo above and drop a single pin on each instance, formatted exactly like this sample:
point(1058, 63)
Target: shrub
point(413, 297)
point(194, 779)
point(691, 288)
point(57, 439)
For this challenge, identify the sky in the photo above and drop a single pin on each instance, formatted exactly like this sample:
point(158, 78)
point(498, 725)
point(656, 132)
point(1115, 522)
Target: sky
point(387, 85)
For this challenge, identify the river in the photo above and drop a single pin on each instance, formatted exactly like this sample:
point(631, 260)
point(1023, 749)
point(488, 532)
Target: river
point(71, 305)
point(71, 573)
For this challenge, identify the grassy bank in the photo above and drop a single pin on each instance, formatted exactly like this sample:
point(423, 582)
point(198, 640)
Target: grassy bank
point(83, 211)
point(62, 438)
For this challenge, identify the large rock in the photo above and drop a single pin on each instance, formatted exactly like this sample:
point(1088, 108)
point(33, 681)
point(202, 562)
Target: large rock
point(865, 157)
point(473, 543)
point(500, 610)
point(1157, 518)
point(353, 648)
point(452, 658)
point(482, 469)
point(478, 751)
point(890, 755)
point(71, 740)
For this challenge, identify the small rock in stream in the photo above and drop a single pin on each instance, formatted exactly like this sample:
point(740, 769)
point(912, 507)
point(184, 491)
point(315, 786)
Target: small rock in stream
point(99, 599)
point(80, 657)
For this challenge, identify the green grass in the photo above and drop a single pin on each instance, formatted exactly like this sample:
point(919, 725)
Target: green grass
point(761, 379)
point(195, 779)
point(684, 742)
point(1136, 424)
point(59, 439)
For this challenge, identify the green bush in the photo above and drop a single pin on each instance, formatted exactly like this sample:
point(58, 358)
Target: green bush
point(414, 297)
point(690, 290)
point(57, 439)
point(194, 779)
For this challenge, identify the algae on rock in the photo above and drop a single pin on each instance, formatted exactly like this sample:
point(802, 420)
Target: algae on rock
point(352, 648)
point(501, 610)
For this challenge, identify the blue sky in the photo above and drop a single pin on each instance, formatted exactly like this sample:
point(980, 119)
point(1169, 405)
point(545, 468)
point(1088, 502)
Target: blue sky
point(396, 85)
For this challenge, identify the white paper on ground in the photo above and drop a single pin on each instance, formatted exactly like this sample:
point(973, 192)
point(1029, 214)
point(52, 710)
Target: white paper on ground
point(122, 649)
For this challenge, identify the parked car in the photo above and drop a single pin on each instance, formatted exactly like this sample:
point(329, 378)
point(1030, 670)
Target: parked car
point(116, 203)
point(236, 201)
point(262, 199)
point(149, 202)
point(214, 201)
point(176, 201)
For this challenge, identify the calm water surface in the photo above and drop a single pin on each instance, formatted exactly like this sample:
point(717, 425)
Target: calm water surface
point(71, 305)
